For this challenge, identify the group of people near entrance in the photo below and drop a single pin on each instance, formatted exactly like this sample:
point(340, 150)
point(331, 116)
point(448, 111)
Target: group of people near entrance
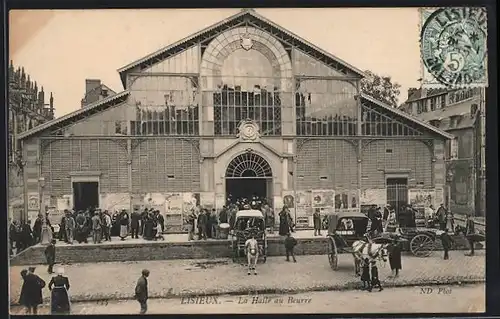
point(101, 225)
point(22, 236)
point(32, 292)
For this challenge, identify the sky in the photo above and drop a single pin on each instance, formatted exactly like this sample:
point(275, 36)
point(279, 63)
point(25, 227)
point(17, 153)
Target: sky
point(62, 48)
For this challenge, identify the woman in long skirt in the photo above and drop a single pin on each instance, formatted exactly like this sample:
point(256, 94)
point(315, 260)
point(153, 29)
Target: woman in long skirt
point(395, 258)
point(60, 301)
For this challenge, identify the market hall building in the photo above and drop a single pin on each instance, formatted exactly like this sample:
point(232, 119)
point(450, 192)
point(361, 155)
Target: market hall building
point(242, 107)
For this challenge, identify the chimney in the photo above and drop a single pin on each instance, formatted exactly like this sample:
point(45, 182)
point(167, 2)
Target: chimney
point(91, 84)
point(91, 94)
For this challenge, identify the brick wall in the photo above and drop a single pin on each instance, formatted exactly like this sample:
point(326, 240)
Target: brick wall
point(61, 157)
point(165, 165)
point(410, 155)
point(334, 159)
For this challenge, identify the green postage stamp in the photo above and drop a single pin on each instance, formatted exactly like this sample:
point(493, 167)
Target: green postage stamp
point(453, 47)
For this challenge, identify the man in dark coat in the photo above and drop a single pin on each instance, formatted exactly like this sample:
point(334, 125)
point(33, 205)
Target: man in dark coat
point(202, 224)
point(317, 222)
point(141, 291)
point(284, 228)
point(223, 215)
point(13, 236)
point(441, 216)
point(395, 257)
point(447, 243)
point(290, 244)
point(469, 233)
point(37, 229)
point(144, 217)
point(50, 256)
point(33, 286)
point(25, 236)
point(81, 228)
point(134, 224)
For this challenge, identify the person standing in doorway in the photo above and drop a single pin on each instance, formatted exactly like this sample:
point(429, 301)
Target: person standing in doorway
point(50, 255)
point(141, 291)
point(134, 224)
point(317, 222)
point(447, 243)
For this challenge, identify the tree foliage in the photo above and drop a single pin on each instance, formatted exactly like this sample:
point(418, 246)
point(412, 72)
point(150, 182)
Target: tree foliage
point(381, 88)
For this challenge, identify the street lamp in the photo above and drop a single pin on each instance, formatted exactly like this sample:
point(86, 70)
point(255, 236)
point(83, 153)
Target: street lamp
point(46, 235)
point(449, 180)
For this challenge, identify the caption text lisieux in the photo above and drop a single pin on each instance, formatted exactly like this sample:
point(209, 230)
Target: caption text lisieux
point(246, 300)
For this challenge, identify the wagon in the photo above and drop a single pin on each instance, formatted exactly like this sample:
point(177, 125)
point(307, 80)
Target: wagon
point(422, 240)
point(344, 228)
point(248, 223)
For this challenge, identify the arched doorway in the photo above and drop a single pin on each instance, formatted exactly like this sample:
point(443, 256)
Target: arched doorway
point(248, 175)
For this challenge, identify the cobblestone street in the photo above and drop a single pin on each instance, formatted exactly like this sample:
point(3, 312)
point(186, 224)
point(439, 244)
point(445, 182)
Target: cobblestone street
point(192, 277)
point(470, 298)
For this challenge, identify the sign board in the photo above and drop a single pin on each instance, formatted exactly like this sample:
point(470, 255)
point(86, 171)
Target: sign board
point(321, 198)
point(373, 196)
point(347, 201)
point(421, 197)
point(55, 215)
point(33, 201)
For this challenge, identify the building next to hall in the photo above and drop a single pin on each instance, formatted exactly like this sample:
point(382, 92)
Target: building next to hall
point(457, 112)
point(27, 109)
point(242, 107)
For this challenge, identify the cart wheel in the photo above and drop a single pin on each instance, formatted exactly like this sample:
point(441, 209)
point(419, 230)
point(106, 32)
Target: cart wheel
point(333, 253)
point(422, 245)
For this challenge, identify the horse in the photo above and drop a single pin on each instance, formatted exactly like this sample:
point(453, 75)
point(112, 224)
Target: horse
point(363, 249)
point(252, 251)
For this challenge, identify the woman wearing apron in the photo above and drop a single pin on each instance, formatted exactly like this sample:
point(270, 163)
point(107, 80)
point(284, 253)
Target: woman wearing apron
point(59, 286)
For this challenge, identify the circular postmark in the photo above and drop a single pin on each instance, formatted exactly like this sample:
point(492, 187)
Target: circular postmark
point(453, 46)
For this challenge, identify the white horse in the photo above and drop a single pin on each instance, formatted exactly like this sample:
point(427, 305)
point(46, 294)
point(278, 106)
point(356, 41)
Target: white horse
point(252, 251)
point(362, 250)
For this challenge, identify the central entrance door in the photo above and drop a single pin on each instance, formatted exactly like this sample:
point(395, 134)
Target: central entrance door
point(248, 175)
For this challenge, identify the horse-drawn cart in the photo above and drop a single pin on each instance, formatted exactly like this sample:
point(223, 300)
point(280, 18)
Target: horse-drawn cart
point(343, 230)
point(248, 223)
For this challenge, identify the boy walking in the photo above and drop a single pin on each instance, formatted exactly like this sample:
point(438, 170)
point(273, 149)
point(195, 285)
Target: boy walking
point(365, 275)
point(50, 255)
point(290, 244)
point(447, 243)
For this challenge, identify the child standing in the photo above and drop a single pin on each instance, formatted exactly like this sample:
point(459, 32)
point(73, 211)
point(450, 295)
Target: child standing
point(50, 255)
point(290, 244)
point(365, 275)
point(375, 281)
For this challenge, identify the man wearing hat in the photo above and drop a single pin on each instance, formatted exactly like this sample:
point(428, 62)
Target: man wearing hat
point(50, 255)
point(141, 291)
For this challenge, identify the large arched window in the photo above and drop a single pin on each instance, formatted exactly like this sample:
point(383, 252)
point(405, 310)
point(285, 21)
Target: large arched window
point(247, 75)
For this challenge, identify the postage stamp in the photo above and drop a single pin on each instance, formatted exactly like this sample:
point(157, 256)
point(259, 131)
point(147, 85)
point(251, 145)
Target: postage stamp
point(241, 168)
point(453, 47)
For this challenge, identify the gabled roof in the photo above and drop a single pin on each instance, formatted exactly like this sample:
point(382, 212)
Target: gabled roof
point(407, 116)
point(248, 12)
point(82, 112)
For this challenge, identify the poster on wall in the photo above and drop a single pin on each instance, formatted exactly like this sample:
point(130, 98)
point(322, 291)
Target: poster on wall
point(322, 198)
point(288, 199)
point(155, 201)
point(115, 202)
point(62, 204)
point(220, 201)
point(421, 197)
point(373, 196)
point(33, 201)
point(173, 203)
point(347, 201)
point(207, 200)
point(55, 215)
point(439, 197)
